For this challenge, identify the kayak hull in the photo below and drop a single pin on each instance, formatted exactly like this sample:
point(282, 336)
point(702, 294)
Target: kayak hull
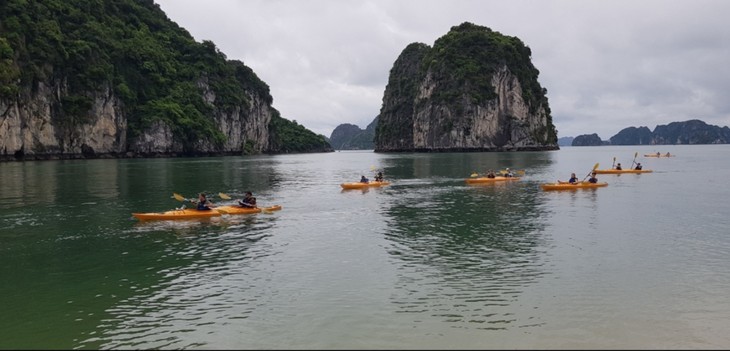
point(196, 214)
point(359, 185)
point(569, 186)
point(188, 213)
point(482, 180)
point(621, 171)
point(654, 155)
point(236, 210)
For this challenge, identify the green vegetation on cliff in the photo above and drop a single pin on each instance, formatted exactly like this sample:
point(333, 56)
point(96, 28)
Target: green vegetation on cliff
point(128, 47)
point(469, 55)
point(290, 137)
point(434, 94)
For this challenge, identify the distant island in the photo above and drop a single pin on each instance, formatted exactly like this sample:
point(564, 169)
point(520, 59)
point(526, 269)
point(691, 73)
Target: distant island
point(689, 132)
point(351, 137)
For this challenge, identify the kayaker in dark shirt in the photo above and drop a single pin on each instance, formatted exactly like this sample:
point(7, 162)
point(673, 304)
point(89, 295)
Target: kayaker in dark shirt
point(593, 178)
point(573, 178)
point(363, 179)
point(379, 177)
point(618, 166)
point(203, 203)
point(490, 174)
point(638, 166)
point(248, 200)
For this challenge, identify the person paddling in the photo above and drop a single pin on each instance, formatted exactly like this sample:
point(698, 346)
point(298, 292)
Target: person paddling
point(248, 200)
point(203, 204)
point(573, 179)
point(379, 177)
point(363, 179)
point(638, 166)
point(593, 178)
point(618, 166)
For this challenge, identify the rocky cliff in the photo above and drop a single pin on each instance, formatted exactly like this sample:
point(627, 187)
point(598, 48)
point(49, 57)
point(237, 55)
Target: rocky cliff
point(119, 79)
point(475, 90)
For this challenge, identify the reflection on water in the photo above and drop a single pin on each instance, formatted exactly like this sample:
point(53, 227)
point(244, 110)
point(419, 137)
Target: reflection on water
point(201, 280)
point(465, 252)
point(427, 262)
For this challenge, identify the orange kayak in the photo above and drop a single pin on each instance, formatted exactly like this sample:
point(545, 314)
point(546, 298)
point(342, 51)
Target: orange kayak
point(246, 210)
point(655, 155)
point(188, 213)
point(360, 185)
point(489, 180)
point(569, 186)
point(191, 213)
point(619, 171)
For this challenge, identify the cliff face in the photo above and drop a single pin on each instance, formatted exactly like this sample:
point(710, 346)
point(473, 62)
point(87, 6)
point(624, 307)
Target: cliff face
point(476, 90)
point(125, 81)
point(34, 127)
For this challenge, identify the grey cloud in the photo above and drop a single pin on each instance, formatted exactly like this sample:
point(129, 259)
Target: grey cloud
point(606, 65)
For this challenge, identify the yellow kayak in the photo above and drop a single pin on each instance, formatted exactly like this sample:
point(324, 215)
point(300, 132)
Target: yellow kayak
point(572, 186)
point(246, 210)
point(481, 180)
point(188, 213)
point(360, 185)
point(619, 171)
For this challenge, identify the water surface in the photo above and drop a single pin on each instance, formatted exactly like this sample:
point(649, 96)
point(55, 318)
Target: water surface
point(427, 262)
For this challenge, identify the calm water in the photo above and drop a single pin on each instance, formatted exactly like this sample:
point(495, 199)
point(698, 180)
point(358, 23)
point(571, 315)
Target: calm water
point(428, 262)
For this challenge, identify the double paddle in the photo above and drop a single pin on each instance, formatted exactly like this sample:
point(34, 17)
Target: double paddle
point(264, 209)
point(589, 173)
point(181, 198)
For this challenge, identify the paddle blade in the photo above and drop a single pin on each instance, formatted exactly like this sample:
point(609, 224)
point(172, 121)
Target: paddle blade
point(178, 197)
point(220, 210)
point(595, 167)
point(224, 196)
point(474, 175)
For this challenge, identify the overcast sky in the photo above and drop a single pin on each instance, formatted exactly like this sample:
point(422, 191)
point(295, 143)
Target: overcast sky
point(606, 65)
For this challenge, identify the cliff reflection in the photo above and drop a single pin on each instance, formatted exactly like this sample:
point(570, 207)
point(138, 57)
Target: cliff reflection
point(465, 252)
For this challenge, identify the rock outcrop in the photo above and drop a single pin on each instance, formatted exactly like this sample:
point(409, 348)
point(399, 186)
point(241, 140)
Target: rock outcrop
point(125, 81)
point(475, 90)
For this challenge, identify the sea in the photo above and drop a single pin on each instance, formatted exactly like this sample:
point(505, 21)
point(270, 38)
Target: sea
point(427, 262)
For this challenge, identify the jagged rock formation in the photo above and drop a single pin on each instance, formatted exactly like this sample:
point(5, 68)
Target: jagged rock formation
point(688, 132)
point(475, 90)
point(350, 137)
point(587, 140)
point(125, 81)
